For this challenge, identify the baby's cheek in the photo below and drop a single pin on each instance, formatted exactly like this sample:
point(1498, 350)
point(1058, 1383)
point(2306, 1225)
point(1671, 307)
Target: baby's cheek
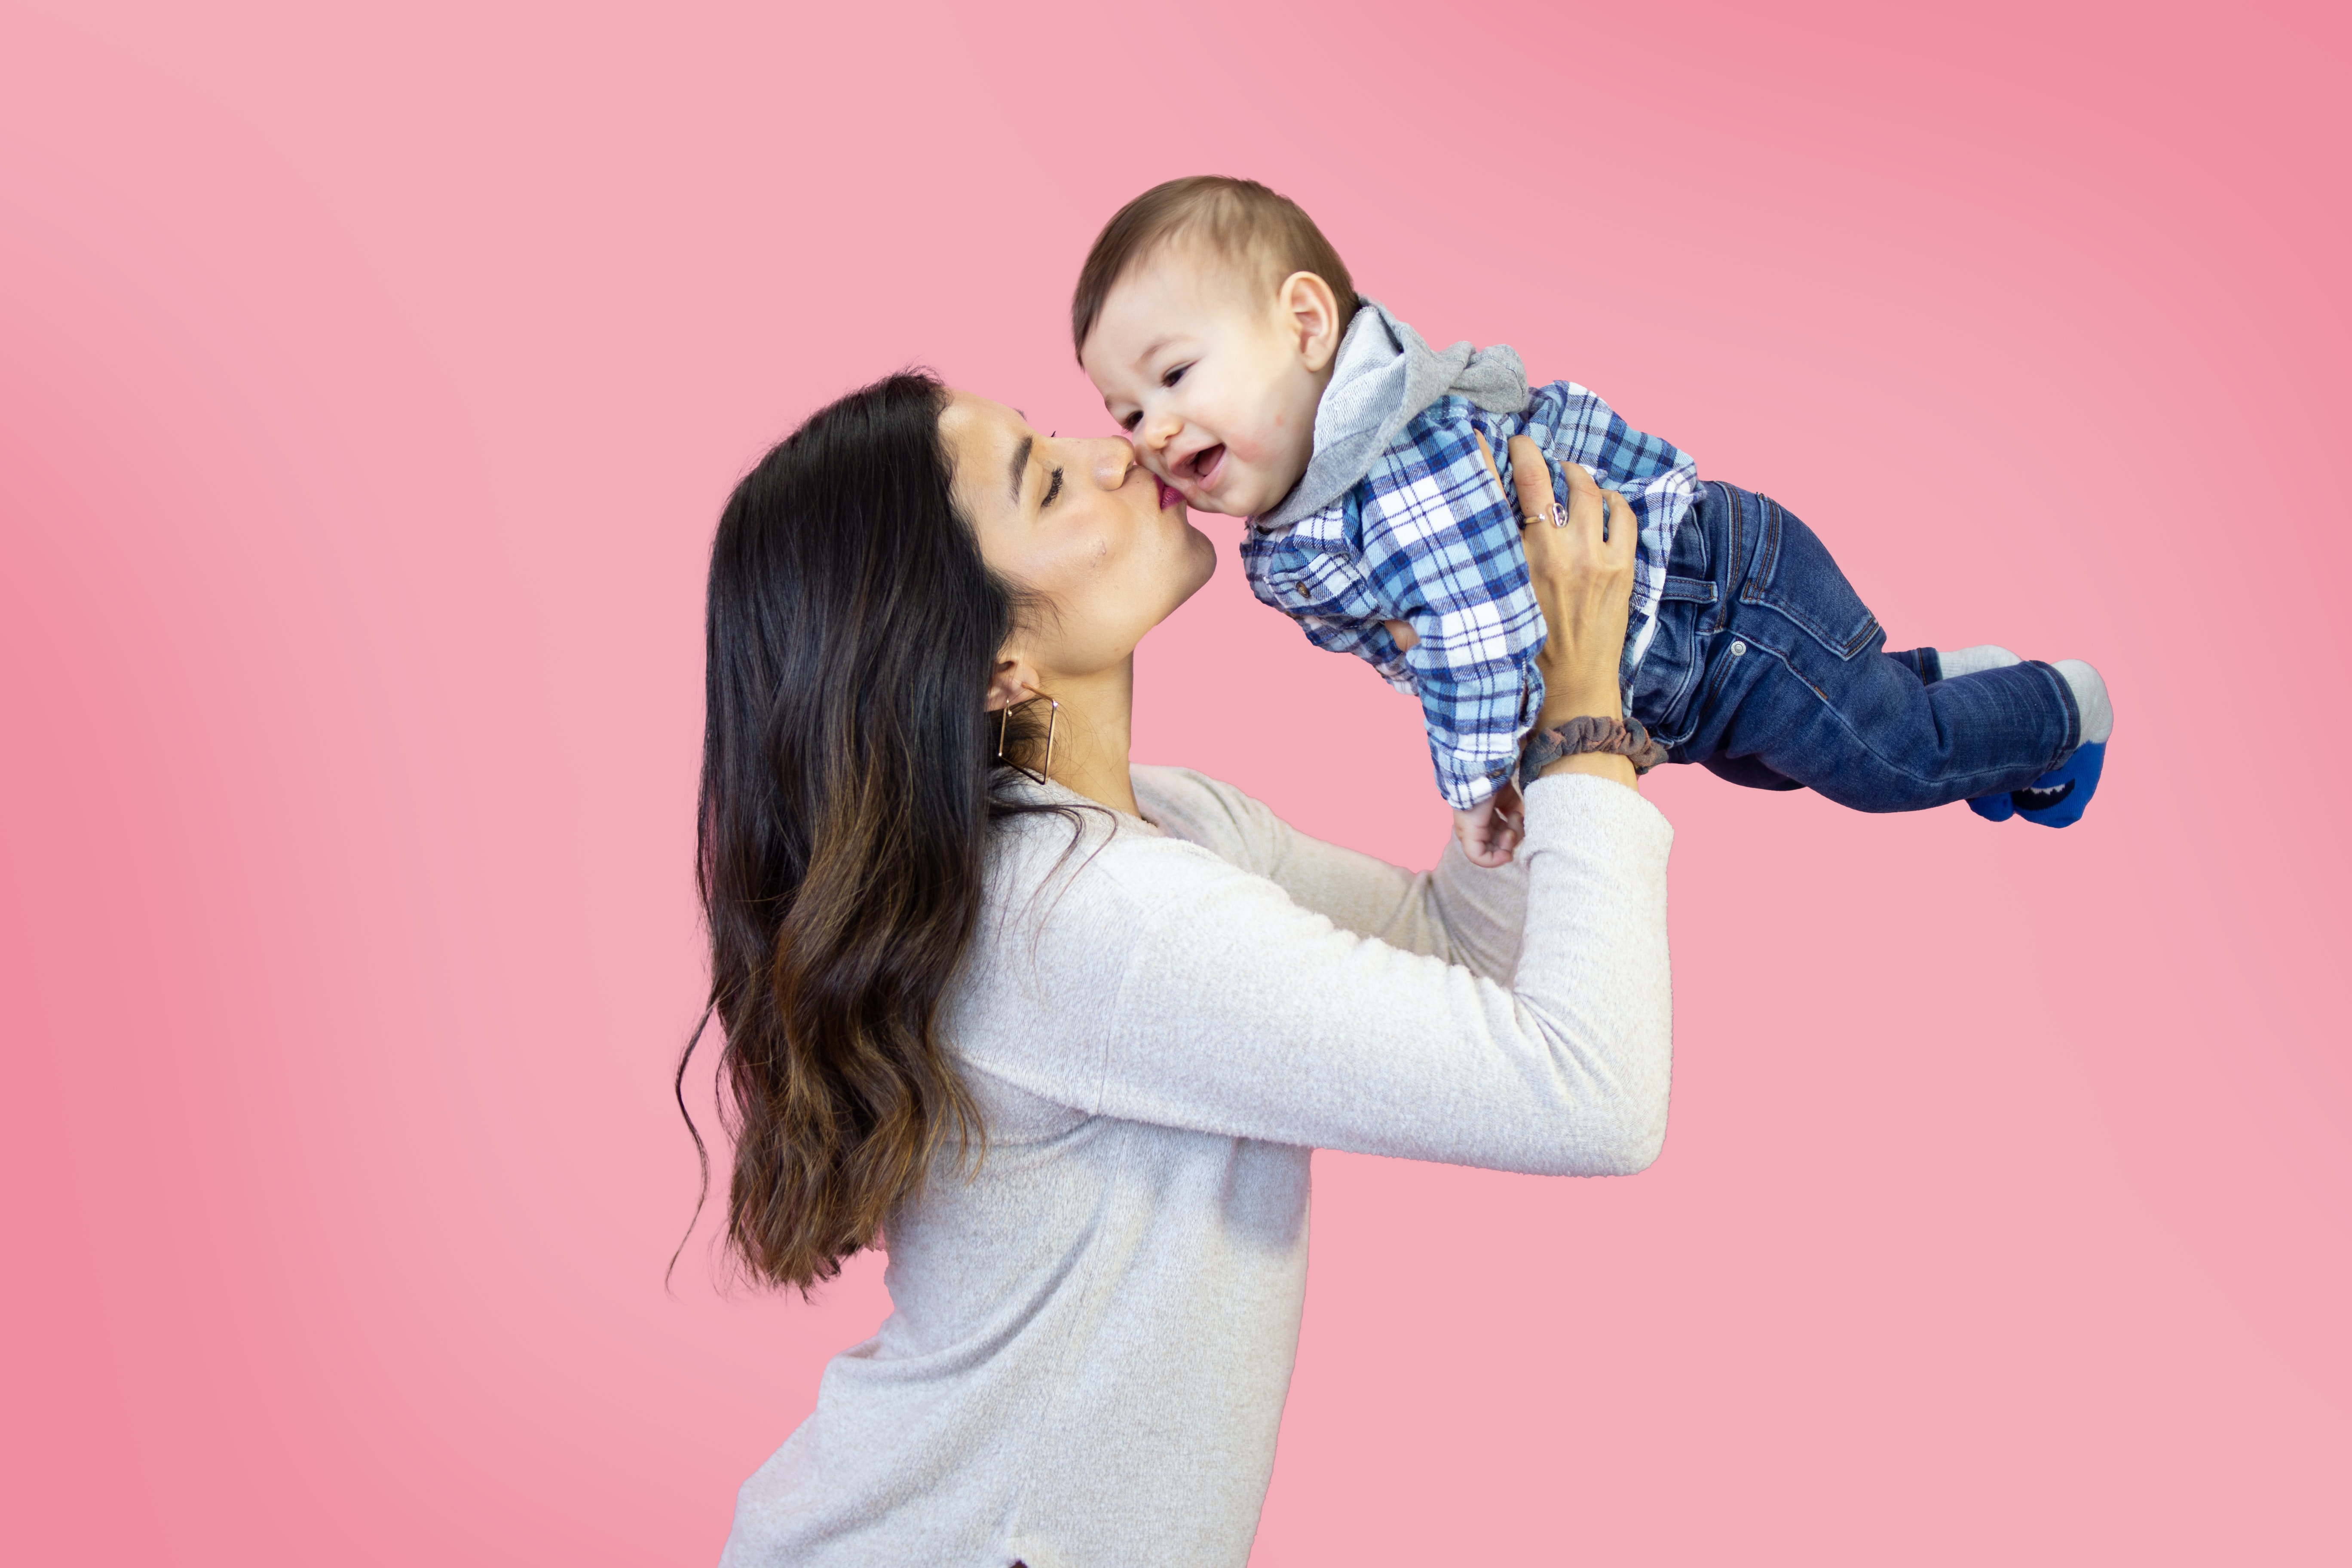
point(1276, 455)
point(1255, 454)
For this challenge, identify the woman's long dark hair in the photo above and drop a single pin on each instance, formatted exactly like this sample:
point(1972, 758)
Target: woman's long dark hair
point(847, 768)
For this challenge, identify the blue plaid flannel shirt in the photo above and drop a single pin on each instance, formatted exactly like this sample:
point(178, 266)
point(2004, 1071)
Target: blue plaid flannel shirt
point(1428, 538)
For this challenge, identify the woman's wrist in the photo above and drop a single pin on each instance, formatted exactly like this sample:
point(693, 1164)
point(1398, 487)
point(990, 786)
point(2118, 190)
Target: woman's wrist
point(1548, 747)
point(1564, 700)
point(1599, 764)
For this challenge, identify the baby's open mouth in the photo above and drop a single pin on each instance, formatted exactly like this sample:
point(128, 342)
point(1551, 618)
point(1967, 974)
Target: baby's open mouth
point(1202, 464)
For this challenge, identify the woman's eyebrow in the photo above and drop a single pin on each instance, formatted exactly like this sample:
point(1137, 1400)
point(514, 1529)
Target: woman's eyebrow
point(1021, 465)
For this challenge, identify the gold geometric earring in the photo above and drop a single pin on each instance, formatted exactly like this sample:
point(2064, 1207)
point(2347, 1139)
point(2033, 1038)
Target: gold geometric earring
point(1004, 721)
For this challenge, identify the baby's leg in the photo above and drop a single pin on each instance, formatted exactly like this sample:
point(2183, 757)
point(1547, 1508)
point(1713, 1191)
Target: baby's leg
point(1870, 734)
point(2090, 690)
point(2057, 798)
point(1797, 685)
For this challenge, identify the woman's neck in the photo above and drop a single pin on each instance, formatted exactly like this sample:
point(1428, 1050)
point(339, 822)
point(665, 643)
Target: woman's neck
point(1092, 733)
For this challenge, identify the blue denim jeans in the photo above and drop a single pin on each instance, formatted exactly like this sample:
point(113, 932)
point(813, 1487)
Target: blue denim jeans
point(1767, 670)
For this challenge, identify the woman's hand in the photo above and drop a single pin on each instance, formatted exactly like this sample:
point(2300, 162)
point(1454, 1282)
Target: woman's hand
point(1584, 582)
point(1584, 585)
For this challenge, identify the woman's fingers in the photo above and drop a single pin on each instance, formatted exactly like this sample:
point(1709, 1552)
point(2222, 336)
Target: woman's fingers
point(1585, 503)
point(1593, 514)
point(1575, 548)
point(1618, 534)
point(1530, 476)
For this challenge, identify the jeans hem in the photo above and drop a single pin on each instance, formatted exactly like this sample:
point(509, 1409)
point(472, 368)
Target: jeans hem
point(2073, 712)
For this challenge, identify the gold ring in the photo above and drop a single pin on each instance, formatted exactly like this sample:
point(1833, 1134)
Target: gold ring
point(1554, 514)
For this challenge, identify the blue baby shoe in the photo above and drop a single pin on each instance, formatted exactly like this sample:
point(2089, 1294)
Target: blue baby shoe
point(2056, 799)
point(1994, 807)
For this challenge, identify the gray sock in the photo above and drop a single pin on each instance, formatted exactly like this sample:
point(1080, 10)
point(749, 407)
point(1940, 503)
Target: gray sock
point(1969, 661)
point(2090, 691)
point(2090, 699)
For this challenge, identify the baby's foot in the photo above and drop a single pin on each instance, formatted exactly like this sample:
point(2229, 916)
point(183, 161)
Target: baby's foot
point(2058, 797)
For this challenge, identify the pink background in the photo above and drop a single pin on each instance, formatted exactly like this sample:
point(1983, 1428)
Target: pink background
point(371, 385)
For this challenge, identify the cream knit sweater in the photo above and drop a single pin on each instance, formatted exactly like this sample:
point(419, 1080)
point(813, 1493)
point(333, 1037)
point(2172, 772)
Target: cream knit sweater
point(1091, 1340)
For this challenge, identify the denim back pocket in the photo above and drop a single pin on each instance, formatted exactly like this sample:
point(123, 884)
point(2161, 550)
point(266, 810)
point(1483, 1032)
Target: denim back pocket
point(1794, 577)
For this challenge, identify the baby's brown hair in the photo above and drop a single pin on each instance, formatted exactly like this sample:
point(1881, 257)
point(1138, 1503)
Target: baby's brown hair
point(1241, 218)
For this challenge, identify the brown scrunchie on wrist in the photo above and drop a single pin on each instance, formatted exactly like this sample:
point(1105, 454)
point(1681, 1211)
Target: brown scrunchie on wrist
point(1589, 733)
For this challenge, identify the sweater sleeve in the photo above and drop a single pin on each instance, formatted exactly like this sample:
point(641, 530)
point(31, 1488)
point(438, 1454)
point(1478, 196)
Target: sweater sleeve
point(1460, 912)
point(1212, 1001)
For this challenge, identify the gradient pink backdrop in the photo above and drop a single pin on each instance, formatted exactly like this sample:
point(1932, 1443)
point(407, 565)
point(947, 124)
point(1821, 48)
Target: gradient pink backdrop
point(372, 379)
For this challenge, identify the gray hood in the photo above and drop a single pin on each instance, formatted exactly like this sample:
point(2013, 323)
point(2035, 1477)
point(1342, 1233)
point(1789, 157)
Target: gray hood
point(1385, 374)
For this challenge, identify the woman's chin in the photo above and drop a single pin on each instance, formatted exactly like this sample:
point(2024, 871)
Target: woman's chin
point(1203, 562)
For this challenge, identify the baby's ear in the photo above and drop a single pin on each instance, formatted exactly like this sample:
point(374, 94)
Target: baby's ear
point(1310, 313)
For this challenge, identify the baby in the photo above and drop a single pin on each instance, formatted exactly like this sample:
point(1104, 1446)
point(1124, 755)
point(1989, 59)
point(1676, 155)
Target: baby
point(1226, 336)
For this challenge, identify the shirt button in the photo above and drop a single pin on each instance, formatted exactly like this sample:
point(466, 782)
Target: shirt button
point(1737, 647)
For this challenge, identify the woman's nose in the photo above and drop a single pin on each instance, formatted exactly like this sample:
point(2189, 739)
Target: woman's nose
point(1114, 460)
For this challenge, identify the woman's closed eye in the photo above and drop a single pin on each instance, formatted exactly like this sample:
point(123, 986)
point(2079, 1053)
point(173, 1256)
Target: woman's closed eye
point(1053, 489)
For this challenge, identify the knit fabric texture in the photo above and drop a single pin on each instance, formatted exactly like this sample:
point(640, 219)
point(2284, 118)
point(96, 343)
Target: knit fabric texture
point(1091, 1339)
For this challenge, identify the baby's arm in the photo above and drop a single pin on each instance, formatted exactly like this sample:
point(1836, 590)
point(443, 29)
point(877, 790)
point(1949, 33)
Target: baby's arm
point(1440, 539)
point(1489, 831)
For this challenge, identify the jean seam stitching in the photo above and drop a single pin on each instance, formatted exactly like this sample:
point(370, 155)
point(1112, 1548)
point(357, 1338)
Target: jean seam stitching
point(1873, 752)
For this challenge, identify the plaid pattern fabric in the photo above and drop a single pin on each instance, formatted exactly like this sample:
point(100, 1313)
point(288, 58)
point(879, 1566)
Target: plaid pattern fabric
point(1428, 538)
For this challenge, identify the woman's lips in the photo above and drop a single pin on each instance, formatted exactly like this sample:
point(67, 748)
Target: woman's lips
point(1168, 494)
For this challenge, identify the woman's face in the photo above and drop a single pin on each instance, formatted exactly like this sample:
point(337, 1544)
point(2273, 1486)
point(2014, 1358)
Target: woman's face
point(1079, 522)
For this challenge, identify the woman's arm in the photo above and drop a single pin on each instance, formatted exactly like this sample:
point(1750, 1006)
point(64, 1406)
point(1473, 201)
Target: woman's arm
point(1456, 912)
point(1181, 990)
point(1580, 561)
point(1169, 986)
point(1580, 565)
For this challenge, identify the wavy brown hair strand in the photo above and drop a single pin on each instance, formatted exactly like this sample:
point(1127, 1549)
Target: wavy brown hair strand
point(848, 783)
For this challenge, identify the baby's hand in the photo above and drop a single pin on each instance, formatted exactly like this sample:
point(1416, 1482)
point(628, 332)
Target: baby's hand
point(1490, 830)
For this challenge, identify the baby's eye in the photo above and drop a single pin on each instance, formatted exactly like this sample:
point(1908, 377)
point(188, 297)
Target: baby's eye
point(1129, 421)
point(1174, 376)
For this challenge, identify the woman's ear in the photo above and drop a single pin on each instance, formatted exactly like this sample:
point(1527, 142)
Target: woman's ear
point(1310, 312)
point(1013, 681)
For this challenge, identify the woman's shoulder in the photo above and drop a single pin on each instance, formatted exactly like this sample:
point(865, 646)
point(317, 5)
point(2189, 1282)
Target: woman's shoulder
point(1080, 888)
point(1192, 826)
point(1196, 809)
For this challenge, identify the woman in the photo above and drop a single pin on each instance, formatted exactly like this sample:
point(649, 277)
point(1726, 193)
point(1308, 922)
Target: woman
point(1061, 1033)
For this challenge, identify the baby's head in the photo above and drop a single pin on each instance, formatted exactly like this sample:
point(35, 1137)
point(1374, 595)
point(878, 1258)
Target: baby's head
point(1208, 314)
